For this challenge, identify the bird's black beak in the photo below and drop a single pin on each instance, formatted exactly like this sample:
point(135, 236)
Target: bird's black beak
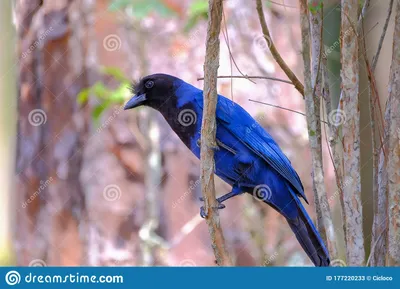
point(135, 101)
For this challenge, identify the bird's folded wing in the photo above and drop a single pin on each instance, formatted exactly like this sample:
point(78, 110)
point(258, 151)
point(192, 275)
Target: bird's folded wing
point(246, 129)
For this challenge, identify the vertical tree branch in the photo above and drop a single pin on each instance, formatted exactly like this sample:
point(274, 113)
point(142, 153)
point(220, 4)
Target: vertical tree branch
point(385, 27)
point(208, 132)
point(313, 112)
point(312, 127)
point(376, 227)
point(351, 135)
point(378, 243)
point(333, 140)
point(152, 156)
point(393, 164)
point(378, 246)
point(333, 128)
point(296, 82)
point(379, 225)
point(7, 129)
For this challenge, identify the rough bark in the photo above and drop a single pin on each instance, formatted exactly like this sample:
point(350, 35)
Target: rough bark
point(313, 112)
point(379, 225)
point(351, 135)
point(393, 163)
point(51, 131)
point(379, 173)
point(208, 132)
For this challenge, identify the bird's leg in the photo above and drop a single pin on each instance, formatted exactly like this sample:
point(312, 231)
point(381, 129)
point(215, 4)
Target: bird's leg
point(235, 191)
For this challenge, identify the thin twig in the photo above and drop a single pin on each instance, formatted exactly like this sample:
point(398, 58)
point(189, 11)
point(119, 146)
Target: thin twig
point(362, 15)
point(385, 27)
point(249, 77)
point(296, 82)
point(226, 37)
point(185, 230)
point(281, 107)
point(376, 230)
point(372, 252)
point(208, 132)
point(282, 4)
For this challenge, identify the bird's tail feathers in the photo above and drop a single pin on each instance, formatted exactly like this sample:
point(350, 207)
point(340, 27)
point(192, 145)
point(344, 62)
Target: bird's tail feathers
point(308, 236)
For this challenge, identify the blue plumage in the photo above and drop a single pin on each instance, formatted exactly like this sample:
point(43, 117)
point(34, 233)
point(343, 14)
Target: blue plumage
point(247, 157)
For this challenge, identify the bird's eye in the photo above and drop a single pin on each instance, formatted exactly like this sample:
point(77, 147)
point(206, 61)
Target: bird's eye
point(149, 84)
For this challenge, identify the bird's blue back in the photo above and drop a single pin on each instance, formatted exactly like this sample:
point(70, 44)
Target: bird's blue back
point(247, 156)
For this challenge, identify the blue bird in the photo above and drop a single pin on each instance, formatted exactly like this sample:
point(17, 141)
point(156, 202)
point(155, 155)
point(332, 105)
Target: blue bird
point(247, 157)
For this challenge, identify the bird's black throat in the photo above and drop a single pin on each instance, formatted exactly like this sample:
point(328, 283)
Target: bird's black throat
point(183, 120)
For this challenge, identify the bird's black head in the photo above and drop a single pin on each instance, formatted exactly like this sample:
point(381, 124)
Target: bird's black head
point(153, 90)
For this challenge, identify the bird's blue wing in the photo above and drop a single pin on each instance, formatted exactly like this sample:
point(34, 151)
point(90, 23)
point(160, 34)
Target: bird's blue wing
point(246, 129)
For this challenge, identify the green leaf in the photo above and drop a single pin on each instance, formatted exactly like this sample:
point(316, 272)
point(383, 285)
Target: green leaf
point(311, 133)
point(198, 7)
point(99, 109)
point(142, 8)
point(119, 4)
point(163, 10)
point(83, 95)
point(315, 6)
point(115, 72)
point(198, 11)
point(119, 95)
point(100, 90)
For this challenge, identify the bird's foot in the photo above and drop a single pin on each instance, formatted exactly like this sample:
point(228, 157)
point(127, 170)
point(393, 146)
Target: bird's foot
point(203, 212)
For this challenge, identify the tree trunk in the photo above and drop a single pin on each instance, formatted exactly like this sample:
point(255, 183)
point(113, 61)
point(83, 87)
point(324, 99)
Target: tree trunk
point(393, 163)
point(351, 135)
point(51, 131)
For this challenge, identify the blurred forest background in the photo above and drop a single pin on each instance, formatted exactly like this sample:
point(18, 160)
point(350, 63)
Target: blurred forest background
point(85, 183)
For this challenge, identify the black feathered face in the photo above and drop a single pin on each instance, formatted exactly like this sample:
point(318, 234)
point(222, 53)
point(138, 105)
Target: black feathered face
point(153, 90)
